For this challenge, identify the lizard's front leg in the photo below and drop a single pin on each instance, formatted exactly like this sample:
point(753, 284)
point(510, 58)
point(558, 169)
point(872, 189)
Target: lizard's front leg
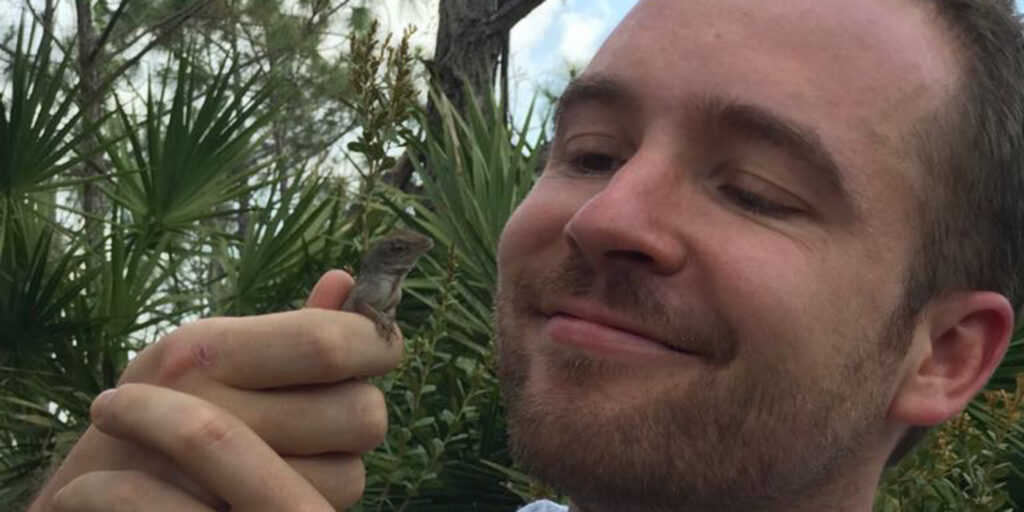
point(384, 323)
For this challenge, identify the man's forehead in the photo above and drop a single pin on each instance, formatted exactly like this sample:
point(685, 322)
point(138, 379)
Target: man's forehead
point(901, 35)
point(864, 72)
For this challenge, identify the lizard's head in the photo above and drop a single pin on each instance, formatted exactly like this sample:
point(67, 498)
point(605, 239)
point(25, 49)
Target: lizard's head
point(398, 251)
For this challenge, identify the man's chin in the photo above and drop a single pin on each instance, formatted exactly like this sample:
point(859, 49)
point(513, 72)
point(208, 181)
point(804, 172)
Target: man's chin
point(589, 447)
point(587, 426)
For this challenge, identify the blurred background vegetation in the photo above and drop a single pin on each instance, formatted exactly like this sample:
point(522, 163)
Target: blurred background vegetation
point(175, 159)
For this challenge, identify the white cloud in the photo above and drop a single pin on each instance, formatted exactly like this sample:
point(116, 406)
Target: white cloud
point(581, 35)
point(532, 29)
point(397, 15)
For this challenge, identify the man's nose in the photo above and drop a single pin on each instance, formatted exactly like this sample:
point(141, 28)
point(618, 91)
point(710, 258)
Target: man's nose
point(632, 221)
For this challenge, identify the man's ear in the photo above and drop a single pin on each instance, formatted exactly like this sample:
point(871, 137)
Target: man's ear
point(959, 341)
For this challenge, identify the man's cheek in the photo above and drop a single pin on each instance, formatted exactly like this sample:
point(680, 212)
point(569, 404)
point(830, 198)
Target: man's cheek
point(535, 227)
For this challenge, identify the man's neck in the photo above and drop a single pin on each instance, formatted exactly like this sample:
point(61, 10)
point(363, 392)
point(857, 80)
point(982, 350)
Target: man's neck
point(860, 507)
point(843, 498)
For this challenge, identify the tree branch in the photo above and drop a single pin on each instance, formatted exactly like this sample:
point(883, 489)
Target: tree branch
point(510, 12)
point(169, 23)
point(41, 19)
point(174, 23)
point(107, 30)
point(48, 12)
point(318, 8)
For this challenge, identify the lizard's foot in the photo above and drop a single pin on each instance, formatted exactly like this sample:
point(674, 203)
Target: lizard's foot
point(386, 329)
point(385, 324)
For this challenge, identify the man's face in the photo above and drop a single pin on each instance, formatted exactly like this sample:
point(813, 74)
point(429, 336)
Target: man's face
point(695, 297)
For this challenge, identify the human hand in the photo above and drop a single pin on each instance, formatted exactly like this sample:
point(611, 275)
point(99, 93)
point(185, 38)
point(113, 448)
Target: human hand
point(255, 413)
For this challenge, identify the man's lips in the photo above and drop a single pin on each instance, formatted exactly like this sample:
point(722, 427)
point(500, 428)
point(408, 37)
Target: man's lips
point(593, 323)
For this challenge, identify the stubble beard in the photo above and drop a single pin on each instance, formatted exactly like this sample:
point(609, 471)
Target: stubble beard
point(759, 440)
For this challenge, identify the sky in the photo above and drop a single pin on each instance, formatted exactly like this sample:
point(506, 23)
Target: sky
point(563, 33)
point(556, 36)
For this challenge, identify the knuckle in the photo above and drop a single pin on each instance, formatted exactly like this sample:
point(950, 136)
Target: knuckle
point(206, 428)
point(64, 500)
point(354, 473)
point(322, 343)
point(186, 348)
point(127, 492)
point(119, 491)
point(396, 351)
point(341, 479)
point(122, 402)
point(372, 411)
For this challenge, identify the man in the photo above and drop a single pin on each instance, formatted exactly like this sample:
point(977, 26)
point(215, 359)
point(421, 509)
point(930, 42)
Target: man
point(773, 240)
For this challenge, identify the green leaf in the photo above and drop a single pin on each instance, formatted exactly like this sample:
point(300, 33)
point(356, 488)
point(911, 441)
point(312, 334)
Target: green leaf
point(193, 159)
point(37, 121)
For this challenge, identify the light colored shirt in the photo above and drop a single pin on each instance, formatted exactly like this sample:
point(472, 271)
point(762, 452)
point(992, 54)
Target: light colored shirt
point(544, 506)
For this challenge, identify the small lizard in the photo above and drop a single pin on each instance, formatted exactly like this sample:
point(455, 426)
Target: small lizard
point(378, 287)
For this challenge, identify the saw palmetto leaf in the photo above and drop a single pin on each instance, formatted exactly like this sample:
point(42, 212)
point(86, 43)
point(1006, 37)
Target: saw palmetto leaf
point(284, 237)
point(37, 121)
point(190, 160)
point(38, 282)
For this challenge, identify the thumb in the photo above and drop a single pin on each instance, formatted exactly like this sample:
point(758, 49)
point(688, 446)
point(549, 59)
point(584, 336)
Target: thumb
point(331, 290)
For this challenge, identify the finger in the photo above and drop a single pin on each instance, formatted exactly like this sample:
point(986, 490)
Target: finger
point(102, 491)
point(216, 449)
point(340, 478)
point(308, 346)
point(350, 417)
point(331, 290)
point(106, 453)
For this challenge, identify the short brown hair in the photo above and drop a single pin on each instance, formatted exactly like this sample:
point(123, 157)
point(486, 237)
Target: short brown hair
point(972, 206)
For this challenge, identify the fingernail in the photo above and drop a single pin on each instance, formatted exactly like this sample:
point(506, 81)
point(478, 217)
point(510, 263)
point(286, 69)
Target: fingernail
point(99, 405)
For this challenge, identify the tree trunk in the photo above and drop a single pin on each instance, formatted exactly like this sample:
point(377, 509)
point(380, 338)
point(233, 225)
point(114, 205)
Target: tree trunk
point(466, 53)
point(472, 37)
point(90, 101)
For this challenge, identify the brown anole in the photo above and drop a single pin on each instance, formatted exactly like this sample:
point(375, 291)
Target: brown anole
point(378, 287)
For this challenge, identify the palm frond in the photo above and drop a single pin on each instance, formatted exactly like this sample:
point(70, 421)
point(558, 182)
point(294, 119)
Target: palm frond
point(190, 160)
point(37, 121)
point(286, 237)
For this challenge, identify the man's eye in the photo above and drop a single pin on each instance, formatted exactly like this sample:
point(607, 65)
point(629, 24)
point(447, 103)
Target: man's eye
point(756, 204)
point(595, 163)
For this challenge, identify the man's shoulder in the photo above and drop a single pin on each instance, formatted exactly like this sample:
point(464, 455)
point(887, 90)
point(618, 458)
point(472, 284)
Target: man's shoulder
point(544, 506)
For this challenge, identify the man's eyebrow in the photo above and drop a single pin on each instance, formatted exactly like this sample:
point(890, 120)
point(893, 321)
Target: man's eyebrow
point(802, 142)
point(747, 120)
point(593, 87)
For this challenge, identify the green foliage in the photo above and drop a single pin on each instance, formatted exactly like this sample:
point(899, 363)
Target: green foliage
point(38, 285)
point(964, 465)
point(35, 125)
point(446, 450)
point(287, 239)
point(72, 316)
point(194, 160)
point(384, 100)
point(384, 95)
point(37, 142)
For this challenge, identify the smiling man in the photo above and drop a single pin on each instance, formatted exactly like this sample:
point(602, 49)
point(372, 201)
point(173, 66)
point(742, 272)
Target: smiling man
point(773, 242)
point(769, 240)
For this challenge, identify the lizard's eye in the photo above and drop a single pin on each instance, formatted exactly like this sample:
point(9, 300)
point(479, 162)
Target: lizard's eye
point(397, 248)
